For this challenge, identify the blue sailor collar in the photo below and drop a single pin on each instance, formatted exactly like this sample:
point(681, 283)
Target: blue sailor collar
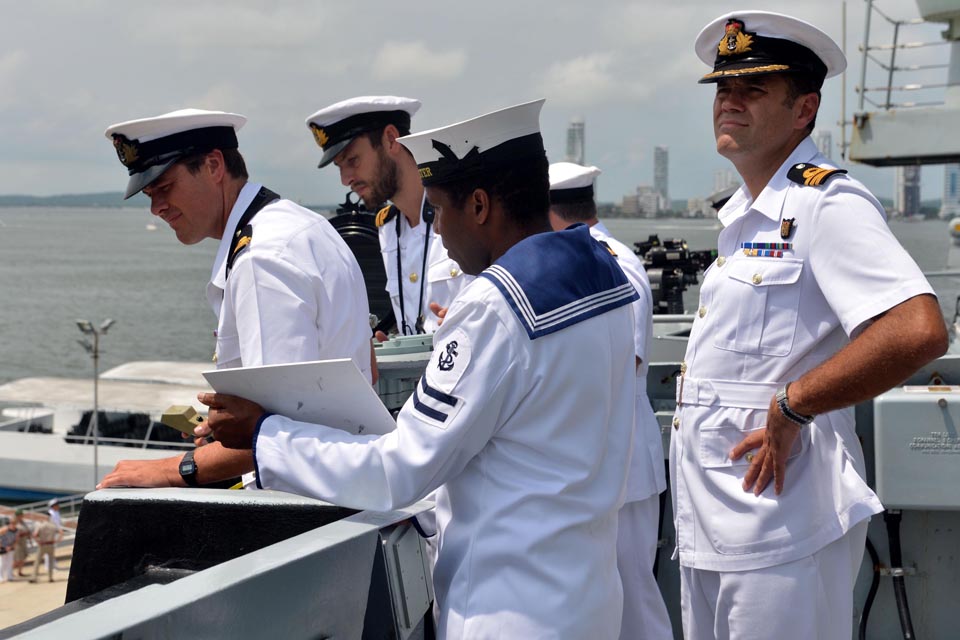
point(554, 280)
point(770, 201)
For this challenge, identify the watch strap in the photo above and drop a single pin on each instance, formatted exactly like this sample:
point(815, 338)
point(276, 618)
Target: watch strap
point(788, 413)
point(188, 469)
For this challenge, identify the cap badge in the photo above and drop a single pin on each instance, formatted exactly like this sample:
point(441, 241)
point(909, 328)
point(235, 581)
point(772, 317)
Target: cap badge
point(734, 41)
point(319, 135)
point(127, 150)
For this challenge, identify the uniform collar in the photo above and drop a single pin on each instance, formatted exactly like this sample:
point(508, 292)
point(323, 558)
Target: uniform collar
point(218, 275)
point(602, 229)
point(770, 201)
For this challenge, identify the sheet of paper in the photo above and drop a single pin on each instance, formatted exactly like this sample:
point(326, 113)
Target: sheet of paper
point(329, 392)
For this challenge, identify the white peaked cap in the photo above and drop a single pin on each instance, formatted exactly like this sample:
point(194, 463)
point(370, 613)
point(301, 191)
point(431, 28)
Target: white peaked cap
point(147, 147)
point(570, 175)
point(493, 140)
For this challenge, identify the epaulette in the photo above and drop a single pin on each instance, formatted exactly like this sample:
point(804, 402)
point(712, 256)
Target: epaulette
point(242, 239)
point(608, 248)
point(810, 175)
point(385, 215)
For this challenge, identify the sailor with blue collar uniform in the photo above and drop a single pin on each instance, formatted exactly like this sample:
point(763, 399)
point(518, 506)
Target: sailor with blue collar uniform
point(644, 612)
point(359, 136)
point(523, 418)
point(284, 286)
point(812, 306)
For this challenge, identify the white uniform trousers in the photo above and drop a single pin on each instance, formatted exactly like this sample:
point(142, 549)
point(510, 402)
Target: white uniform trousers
point(808, 599)
point(644, 613)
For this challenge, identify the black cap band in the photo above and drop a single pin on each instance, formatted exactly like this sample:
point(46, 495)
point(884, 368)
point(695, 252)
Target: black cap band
point(348, 128)
point(137, 157)
point(568, 196)
point(450, 168)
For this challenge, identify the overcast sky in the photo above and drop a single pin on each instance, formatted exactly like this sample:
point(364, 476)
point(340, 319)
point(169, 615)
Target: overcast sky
point(69, 69)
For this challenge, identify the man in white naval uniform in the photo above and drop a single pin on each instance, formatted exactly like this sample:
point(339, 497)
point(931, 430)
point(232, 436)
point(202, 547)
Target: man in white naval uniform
point(812, 306)
point(644, 612)
point(284, 286)
point(523, 418)
point(359, 136)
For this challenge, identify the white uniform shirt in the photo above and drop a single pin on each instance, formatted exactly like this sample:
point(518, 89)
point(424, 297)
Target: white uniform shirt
point(295, 293)
point(764, 321)
point(444, 277)
point(523, 420)
point(647, 475)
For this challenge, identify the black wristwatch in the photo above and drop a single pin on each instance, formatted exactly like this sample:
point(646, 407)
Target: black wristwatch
point(188, 469)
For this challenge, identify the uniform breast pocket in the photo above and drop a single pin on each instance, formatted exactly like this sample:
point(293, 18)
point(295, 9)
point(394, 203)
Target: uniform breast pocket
point(228, 351)
point(757, 306)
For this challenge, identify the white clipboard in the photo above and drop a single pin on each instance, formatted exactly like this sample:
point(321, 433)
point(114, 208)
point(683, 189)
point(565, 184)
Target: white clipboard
point(329, 392)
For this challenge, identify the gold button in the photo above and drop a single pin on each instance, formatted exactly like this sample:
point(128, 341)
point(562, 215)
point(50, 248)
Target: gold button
point(683, 367)
point(757, 278)
point(750, 456)
point(721, 261)
point(413, 277)
point(214, 357)
point(702, 312)
point(676, 422)
point(454, 273)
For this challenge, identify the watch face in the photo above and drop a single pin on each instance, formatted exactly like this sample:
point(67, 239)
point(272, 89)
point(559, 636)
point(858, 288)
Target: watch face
point(187, 467)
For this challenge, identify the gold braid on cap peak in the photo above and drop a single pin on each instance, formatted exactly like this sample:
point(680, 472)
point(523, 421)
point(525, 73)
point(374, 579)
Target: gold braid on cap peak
point(769, 68)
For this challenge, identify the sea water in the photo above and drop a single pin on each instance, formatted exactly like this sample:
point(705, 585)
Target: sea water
point(58, 265)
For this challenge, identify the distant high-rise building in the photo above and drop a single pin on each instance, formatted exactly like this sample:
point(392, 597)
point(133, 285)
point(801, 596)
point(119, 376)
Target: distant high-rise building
point(906, 196)
point(576, 142)
point(661, 175)
point(950, 205)
point(824, 142)
point(724, 179)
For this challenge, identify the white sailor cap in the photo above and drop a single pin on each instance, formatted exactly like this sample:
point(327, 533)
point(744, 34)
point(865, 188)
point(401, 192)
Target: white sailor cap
point(472, 147)
point(744, 43)
point(149, 146)
point(571, 182)
point(336, 126)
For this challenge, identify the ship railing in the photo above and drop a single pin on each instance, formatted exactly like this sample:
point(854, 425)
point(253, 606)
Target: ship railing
point(891, 66)
point(142, 443)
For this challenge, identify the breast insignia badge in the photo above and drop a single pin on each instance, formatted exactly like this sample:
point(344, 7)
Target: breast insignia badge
point(786, 227)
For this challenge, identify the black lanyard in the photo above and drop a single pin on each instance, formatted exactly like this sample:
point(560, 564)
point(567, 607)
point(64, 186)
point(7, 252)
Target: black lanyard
point(427, 218)
point(262, 199)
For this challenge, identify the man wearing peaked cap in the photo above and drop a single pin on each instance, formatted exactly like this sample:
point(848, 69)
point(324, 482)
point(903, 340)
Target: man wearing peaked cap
point(522, 421)
point(811, 307)
point(284, 286)
point(644, 612)
point(359, 136)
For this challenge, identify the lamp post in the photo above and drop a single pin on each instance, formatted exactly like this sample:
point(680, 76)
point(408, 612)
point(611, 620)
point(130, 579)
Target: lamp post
point(93, 348)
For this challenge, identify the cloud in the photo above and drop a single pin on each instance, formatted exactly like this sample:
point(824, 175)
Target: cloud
point(587, 80)
point(415, 60)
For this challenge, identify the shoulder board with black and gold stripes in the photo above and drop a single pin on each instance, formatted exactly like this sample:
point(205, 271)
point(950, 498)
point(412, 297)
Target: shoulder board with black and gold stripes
point(385, 215)
point(810, 175)
point(608, 248)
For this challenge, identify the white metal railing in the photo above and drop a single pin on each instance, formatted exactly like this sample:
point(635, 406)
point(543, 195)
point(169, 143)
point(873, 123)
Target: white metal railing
point(891, 66)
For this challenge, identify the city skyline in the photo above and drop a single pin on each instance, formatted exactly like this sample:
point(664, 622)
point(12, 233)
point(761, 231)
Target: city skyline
point(631, 79)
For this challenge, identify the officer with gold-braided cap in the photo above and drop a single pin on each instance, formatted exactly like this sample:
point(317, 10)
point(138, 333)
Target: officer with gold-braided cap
point(284, 286)
point(359, 136)
point(811, 307)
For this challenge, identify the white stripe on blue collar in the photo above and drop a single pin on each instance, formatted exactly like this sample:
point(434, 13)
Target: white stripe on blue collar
point(555, 280)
